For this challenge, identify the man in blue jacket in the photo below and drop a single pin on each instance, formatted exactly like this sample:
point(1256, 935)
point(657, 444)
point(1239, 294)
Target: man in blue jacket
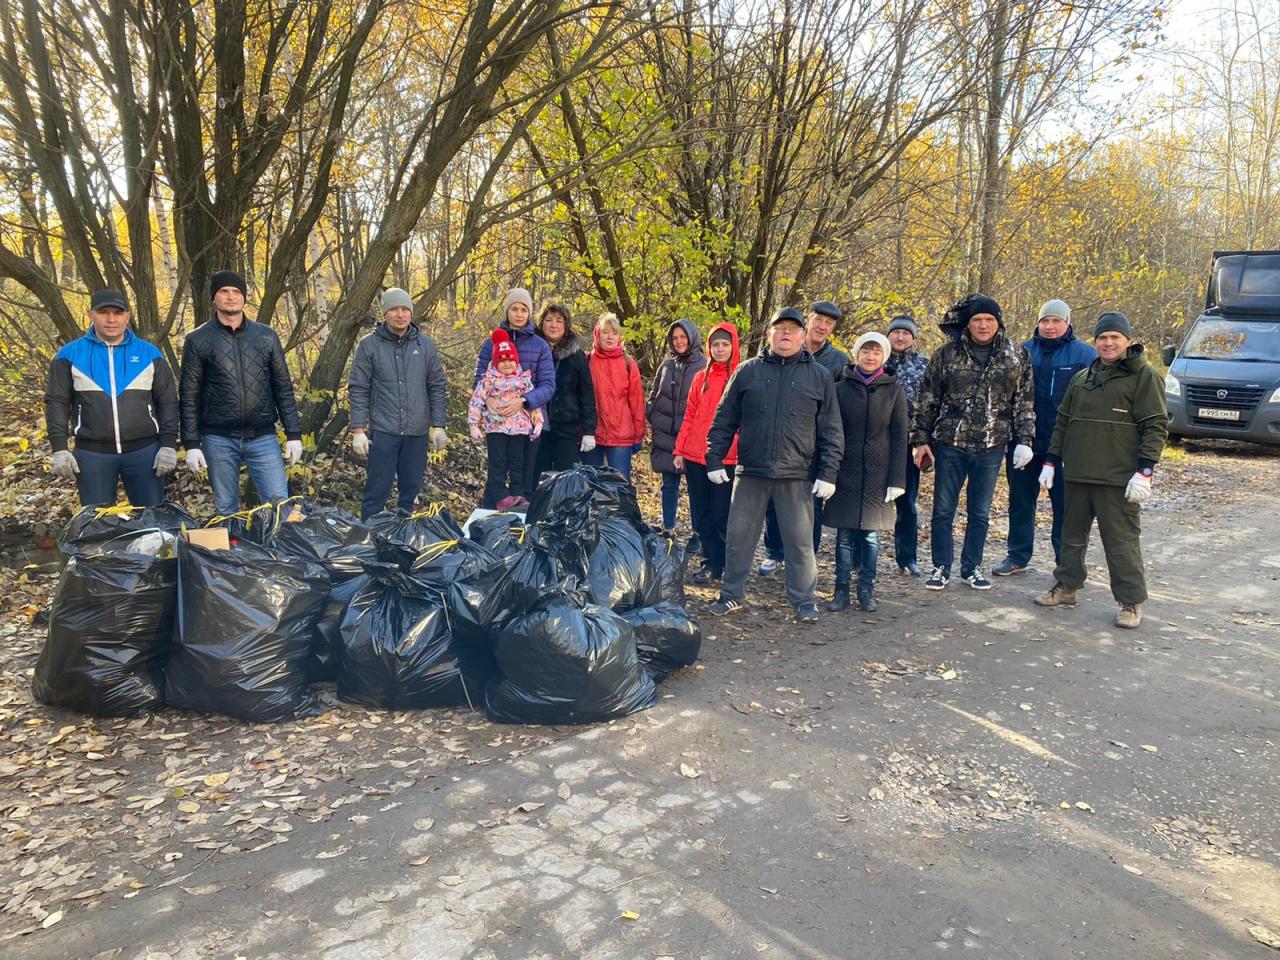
point(1056, 356)
point(397, 390)
point(117, 392)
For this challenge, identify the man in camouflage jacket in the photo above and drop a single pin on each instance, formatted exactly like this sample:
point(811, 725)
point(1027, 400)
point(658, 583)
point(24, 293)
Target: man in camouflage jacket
point(976, 398)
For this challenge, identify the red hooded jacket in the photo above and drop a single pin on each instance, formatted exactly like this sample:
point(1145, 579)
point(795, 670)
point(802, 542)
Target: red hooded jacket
point(704, 396)
point(619, 397)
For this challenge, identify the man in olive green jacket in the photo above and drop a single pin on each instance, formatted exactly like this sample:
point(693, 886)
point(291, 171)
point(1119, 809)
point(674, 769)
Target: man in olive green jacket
point(1110, 432)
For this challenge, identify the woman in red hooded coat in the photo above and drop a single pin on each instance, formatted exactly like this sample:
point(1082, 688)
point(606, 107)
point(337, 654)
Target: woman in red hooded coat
point(711, 499)
point(620, 420)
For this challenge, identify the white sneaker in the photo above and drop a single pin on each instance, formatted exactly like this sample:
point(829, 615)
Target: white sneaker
point(770, 567)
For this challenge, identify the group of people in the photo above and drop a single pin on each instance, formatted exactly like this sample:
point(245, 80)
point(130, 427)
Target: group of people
point(798, 438)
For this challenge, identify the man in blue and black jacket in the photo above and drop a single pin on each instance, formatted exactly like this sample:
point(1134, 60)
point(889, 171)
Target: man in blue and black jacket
point(1056, 357)
point(114, 394)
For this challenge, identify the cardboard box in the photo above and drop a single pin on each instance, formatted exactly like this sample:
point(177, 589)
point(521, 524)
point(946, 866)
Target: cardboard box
point(211, 538)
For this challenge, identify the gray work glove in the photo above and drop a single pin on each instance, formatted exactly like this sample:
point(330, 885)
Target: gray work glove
point(64, 464)
point(166, 461)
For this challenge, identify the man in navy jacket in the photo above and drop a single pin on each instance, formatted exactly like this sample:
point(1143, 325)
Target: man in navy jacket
point(116, 394)
point(1056, 356)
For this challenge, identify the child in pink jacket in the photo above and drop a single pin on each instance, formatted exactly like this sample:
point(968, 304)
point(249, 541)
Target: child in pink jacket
point(497, 415)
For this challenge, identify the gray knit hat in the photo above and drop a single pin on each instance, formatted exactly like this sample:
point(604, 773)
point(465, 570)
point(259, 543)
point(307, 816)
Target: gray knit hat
point(517, 295)
point(1055, 308)
point(902, 322)
point(395, 297)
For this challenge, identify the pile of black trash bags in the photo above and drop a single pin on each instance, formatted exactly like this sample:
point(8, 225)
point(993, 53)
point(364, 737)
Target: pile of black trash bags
point(569, 615)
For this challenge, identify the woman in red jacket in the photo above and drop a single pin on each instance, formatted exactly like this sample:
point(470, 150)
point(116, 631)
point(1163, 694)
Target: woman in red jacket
point(711, 499)
point(619, 399)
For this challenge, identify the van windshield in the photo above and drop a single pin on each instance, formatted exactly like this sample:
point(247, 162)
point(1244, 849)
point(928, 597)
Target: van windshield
point(1214, 338)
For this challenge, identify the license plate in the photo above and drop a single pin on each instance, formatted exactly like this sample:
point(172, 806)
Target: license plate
point(1210, 414)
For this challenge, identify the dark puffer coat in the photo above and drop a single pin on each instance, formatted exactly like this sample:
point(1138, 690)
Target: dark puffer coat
point(783, 411)
point(875, 452)
point(572, 410)
point(670, 394)
point(235, 384)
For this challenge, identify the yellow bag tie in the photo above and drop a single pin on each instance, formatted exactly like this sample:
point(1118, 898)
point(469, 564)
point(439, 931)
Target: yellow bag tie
point(436, 550)
point(118, 510)
point(431, 510)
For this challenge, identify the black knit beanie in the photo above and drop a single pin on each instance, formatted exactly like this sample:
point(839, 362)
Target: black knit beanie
point(227, 278)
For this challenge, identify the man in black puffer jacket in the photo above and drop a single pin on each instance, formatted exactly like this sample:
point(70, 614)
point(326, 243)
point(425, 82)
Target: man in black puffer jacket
point(234, 387)
point(782, 407)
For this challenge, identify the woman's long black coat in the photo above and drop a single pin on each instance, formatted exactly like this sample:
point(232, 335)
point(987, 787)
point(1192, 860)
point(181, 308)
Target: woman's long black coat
point(875, 452)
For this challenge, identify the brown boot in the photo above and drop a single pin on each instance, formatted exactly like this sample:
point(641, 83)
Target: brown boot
point(1130, 616)
point(1060, 596)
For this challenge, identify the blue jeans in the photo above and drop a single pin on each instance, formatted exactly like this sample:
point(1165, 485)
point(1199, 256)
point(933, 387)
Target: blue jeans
point(860, 549)
point(619, 458)
point(1024, 491)
point(263, 458)
point(906, 525)
point(100, 474)
point(953, 469)
point(393, 457)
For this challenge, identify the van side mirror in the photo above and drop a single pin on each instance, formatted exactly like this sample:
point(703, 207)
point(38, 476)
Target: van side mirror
point(1167, 355)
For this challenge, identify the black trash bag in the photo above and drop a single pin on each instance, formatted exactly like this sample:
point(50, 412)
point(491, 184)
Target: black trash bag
point(587, 492)
point(109, 632)
point(552, 555)
point(98, 524)
point(667, 561)
point(619, 575)
point(567, 662)
point(442, 563)
point(401, 536)
point(326, 638)
point(667, 638)
point(500, 532)
point(327, 535)
point(245, 622)
point(398, 652)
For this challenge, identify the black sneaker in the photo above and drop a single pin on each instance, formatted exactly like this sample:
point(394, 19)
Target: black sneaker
point(693, 545)
point(704, 575)
point(978, 580)
point(807, 613)
point(1007, 568)
point(911, 570)
point(939, 579)
point(724, 605)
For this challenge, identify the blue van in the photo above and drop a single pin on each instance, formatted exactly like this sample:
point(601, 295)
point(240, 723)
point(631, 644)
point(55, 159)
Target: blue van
point(1224, 380)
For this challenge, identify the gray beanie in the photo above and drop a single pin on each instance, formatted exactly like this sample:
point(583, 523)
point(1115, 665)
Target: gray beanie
point(1113, 321)
point(902, 322)
point(395, 297)
point(1055, 308)
point(517, 295)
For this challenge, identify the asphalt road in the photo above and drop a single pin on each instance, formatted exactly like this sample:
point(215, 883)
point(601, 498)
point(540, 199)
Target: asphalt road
point(958, 772)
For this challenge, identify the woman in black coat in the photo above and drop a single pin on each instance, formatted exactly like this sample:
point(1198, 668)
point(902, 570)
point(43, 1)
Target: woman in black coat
point(873, 473)
point(665, 412)
point(571, 414)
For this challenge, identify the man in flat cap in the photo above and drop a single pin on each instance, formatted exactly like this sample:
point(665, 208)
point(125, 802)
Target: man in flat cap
point(113, 393)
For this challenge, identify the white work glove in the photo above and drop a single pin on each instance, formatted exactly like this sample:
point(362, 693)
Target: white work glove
point(1138, 489)
point(1046, 476)
point(360, 444)
point(292, 451)
point(718, 476)
point(64, 464)
point(1021, 456)
point(893, 493)
point(166, 461)
point(823, 490)
point(438, 438)
point(196, 462)
point(588, 444)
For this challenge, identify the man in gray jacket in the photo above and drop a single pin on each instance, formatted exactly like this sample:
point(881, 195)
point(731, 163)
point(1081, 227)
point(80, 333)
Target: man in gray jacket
point(397, 390)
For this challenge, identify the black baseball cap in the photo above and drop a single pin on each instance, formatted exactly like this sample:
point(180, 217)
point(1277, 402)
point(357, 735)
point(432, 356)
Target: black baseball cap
point(788, 313)
point(108, 298)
